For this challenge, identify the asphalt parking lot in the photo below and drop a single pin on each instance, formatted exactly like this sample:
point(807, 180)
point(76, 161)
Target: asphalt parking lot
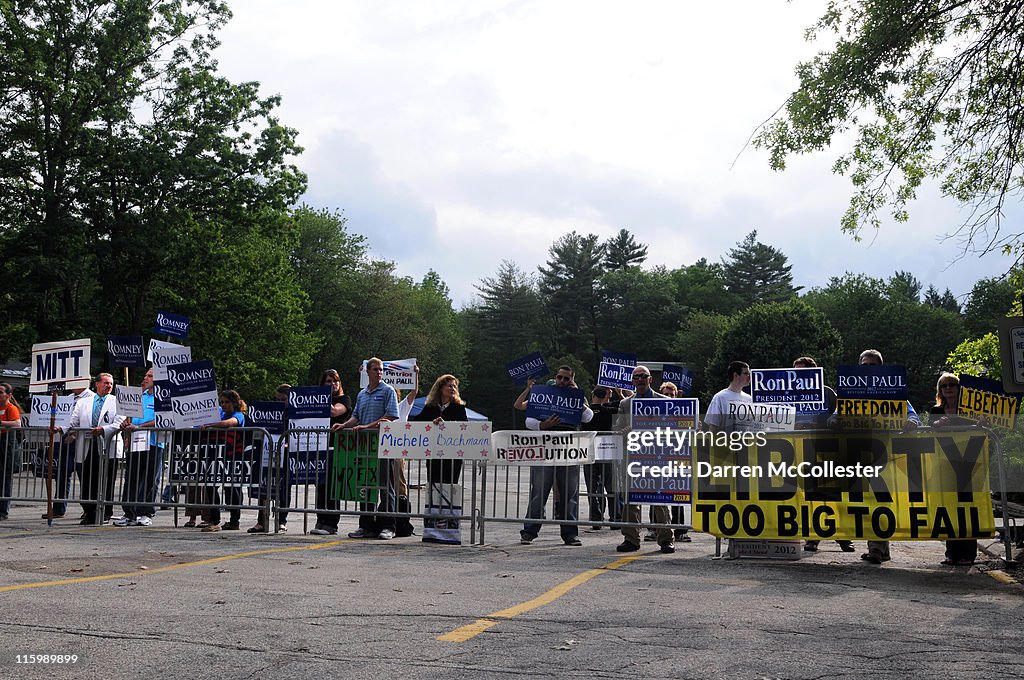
point(169, 603)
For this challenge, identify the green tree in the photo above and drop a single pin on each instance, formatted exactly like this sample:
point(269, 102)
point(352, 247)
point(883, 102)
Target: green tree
point(990, 300)
point(695, 343)
point(500, 327)
point(568, 288)
point(903, 286)
point(701, 286)
point(978, 357)
point(945, 301)
point(622, 251)
point(638, 311)
point(771, 335)
point(125, 161)
point(755, 272)
point(929, 90)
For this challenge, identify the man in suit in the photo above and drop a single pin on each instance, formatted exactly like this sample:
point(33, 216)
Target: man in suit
point(96, 451)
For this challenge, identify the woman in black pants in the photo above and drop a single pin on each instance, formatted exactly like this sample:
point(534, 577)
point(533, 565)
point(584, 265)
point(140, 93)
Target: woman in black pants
point(443, 404)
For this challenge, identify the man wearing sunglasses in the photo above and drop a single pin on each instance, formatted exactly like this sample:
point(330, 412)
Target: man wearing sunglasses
point(567, 477)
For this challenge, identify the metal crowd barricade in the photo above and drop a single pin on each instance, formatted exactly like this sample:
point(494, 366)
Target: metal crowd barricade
point(342, 476)
point(506, 494)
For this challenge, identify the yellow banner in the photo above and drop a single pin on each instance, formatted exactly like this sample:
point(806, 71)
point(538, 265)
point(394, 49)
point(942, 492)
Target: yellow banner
point(915, 486)
point(871, 414)
point(1000, 409)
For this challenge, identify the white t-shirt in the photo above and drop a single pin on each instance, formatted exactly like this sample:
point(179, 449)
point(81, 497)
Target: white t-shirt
point(718, 410)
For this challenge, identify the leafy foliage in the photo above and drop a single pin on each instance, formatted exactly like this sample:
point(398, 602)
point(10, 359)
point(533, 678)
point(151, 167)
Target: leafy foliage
point(929, 90)
point(755, 272)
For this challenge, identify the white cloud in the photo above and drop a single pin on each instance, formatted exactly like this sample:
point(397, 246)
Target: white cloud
point(458, 134)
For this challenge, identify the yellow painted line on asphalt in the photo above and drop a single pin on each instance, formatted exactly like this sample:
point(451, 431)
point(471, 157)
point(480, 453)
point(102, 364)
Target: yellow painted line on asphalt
point(471, 630)
point(1002, 577)
point(170, 567)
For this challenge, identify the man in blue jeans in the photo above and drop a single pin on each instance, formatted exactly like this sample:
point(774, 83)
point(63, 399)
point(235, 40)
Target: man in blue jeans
point(567, 477)
point(376, 403)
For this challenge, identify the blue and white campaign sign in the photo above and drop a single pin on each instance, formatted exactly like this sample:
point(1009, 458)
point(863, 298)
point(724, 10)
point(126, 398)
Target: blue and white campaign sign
point(550, 400)
point(448, 440)
point(624, 358)
point(125, 350)
point(309, 408)
point(193, 393)
point(129, 401)
point(164, 354)
point(268, 415)
point(399, 373)
point(619, 376)
point(60, 365)
point(39, 416)
point(660, 440)
point(173, 325)
point(680, 376)
point(872, 382)
point(524, 368)
point(163, 411)
point(787, 385)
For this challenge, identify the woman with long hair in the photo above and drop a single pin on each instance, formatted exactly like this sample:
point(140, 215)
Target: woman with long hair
point(443, 404)
point(232, 413)
point(959, 553)
point(341, 410)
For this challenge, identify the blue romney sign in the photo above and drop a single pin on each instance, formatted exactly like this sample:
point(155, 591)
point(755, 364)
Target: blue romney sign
point(125, 350)
point(267, 414)
point(173, 325)
point(549, 400)
point(872, 382)
point(787, 385)
point(524, 368)
point(309, 402)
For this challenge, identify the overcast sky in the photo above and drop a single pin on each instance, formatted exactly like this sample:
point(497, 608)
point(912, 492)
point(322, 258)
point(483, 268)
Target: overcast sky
point(456, 134)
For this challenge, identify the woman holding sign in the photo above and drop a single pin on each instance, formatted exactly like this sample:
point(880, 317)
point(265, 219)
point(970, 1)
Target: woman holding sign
point(944, 414)
point(232, 413)
point(443, 404)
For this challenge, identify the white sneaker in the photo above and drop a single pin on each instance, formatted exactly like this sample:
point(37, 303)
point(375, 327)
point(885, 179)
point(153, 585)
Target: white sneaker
point(143, 521)
point(123, 521)
point(386, 534)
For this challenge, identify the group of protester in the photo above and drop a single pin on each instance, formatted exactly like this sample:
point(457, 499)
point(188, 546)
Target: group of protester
point(95, 427)
point(610, 410)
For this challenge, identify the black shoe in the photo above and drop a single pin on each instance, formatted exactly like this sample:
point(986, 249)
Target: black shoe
point(668, 548)
point(85, 521)
point(626, 546)
point(845, 546)
point(811, 546)
point(55, 516)
point(575, 540)
point(230, 526)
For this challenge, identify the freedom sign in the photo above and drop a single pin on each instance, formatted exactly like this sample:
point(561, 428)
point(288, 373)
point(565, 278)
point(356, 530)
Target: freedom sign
point(60, 365)
point(447, 440)
point(125, 350)
point(524, 368)
point(550, 400)
point(173, 325)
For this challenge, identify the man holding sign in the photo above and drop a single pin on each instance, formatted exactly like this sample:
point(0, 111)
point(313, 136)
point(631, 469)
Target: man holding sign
point(561, 407)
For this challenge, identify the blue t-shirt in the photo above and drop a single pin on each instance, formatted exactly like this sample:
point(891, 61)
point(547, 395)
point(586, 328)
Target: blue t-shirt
point(372, 406)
